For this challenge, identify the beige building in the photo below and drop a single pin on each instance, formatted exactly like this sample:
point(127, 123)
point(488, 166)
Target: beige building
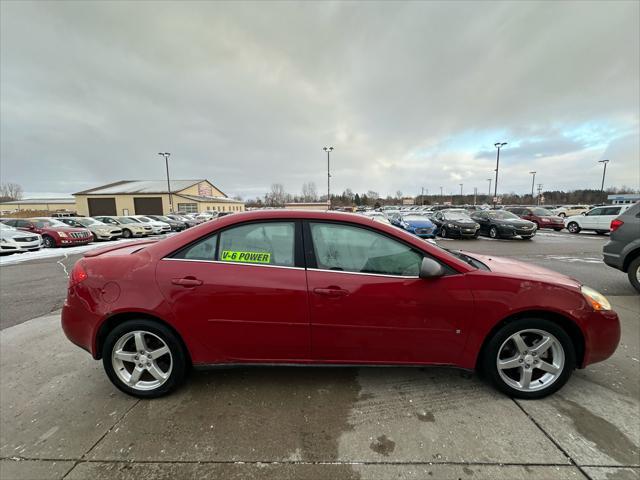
point(151, 197)
point(39, 205)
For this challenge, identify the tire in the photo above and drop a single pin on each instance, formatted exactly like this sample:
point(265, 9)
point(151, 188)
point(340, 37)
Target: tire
point(126, 233)
point(559, 355)
point(95, 237)
point(169, 368)
point(573, 227)
point(48, 241)
point(493, 232)
point(563, 215)
point(443, 232)
point(634, 273)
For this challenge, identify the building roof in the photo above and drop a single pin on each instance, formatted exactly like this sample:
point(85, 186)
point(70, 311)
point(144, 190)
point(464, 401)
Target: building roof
point(124, 187)
point(34, 201)
point(199, 198)
point(624, 196)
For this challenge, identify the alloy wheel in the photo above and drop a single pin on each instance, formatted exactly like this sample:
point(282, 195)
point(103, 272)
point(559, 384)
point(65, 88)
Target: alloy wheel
point(530, 360)
point(142, 360)
point(493, 232)
point(573, 227)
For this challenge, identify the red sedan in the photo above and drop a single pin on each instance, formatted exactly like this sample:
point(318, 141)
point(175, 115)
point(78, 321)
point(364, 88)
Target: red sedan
point(54, 232)
point(328, 288)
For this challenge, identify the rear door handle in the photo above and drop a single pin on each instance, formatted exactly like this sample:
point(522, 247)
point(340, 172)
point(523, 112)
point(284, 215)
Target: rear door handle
point(186, 282)
point(331, 291)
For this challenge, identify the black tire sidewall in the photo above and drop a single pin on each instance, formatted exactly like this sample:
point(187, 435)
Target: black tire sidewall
point(48, 241)
point(571, 229)
point(490, 353)
point(126, 233)
point(179, 367)
point(631, 273)
point(493, 229)
point(443, 232)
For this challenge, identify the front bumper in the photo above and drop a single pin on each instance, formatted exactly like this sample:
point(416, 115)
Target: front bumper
point(11, 247)
point(69, 241)
point(512, 231)
point(602, 336)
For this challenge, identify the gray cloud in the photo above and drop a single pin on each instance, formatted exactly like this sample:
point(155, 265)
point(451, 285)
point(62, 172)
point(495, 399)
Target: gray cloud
point(410, 94)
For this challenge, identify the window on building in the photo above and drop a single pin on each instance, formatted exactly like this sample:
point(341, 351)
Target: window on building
point(188, 207)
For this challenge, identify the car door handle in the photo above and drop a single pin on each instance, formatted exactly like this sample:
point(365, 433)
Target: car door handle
point(331, 291)
point(186, 282)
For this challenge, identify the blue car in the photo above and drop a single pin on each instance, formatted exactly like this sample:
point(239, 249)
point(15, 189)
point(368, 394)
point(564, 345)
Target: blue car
point(415, 223)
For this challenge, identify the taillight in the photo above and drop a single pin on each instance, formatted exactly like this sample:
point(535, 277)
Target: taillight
point(78, 274)
point(616, 224)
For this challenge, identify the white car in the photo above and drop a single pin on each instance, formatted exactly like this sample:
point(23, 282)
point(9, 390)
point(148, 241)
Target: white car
point(570, 210)
point(378, 216)
point(157, 226)
point(13, 240)
point(597, 219)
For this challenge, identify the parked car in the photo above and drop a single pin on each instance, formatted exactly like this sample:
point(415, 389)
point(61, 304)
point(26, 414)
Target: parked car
point(570, 210)
point(378, 216)
point(598, 219)
point(415, 223)
point(542, 217)
point(13, 240)
point(372, 293)
point(130, 228)
point(176, 225)
point(623, 249)
point(157, 227)
point(54, 233)
point(500, 224)
point(455, 223)
point(99, 230)
point(206, 216)
point(188, 221)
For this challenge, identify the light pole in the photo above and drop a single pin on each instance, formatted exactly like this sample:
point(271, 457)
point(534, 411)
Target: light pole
point(489, 180)
point(328, 150)
point(475, 194)
point(604, 172)
point(166, 161)
point(539, 193)
point(498, 145)
point(440, 193)
point(461, 200)
point(533, 182)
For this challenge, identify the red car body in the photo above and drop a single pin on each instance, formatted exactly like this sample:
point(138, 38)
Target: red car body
point(61, 236)
point(245, 313)
point(533, 214)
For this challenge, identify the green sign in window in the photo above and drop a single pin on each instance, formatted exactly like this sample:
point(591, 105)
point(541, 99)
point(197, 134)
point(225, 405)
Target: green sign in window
point(245, 257)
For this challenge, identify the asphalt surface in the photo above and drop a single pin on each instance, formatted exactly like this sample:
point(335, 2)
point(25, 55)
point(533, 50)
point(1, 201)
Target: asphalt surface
point(61, 418)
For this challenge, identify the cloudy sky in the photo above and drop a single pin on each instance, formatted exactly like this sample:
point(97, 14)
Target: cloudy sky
point(411, 95)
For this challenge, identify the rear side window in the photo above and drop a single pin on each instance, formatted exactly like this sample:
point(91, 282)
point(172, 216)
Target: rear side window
point(611, 211)
point(353, 249)
point(202, 250)
point(268, 243)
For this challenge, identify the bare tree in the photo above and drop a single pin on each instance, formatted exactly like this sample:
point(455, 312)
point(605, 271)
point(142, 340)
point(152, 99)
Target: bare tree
point(277, 196)
point(399, 195)
point(10, 191)
point(309, 192)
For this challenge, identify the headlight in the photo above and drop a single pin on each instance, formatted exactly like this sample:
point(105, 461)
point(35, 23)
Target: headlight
point(596, 299)
point(62, 234)
point(505, 225)
point(477, 225)
point(104, 231)
point(451, 225)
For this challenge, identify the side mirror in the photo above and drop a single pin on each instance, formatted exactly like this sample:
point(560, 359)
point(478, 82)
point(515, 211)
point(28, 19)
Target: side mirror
point(430, 269)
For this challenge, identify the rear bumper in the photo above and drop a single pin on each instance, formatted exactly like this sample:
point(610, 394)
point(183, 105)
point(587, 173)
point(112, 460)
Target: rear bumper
point(611, 253)
point(77, 324)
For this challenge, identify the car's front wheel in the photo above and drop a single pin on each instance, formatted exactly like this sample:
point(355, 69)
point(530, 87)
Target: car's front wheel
point(634, 273)
point(443, 232)
point(126, 233)
point(529, 358)
point(144, 358)
point(48, 241)
point(493, 232)
point(573, 227)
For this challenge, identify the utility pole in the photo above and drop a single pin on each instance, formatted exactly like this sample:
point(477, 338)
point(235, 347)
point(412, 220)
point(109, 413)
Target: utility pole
point(441, 194)
point(490, 180)
point(328, 150)
point(422, 197)
point(539, 193)
point(166, 156)
point(475, 194)
point(461, 197)
point(532, 184)
point(604, 172)
point(498, 145)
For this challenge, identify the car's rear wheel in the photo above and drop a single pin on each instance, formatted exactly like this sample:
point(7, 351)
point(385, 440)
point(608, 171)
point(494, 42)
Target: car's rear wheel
point(573, 227)
point(529, 358)
point(144, 358)
point(493, 232)
point(126, 233)
point(48, 241)
point(634, 273)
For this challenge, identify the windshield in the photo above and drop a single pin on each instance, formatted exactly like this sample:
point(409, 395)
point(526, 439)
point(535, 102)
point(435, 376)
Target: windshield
point(541, 212)
point(502, 215)
point(415, 218)
point(127, 220)
point(88, 221)
point(456, 216)
point(5, 227)
point(163, 218)
point(142, 219)
point(46, 222)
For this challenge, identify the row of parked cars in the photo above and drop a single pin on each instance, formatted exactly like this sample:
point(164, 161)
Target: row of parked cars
point(30, 234)
point(509, 222)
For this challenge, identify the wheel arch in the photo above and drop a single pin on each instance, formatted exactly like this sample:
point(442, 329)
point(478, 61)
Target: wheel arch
point(630, 257)
point(110, 323)
point(569, 326)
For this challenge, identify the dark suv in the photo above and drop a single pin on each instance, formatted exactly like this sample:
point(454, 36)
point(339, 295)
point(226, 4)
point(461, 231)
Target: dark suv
point(623, 249)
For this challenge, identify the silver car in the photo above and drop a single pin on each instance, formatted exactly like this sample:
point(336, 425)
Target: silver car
point(12, 240)
point(99, 230)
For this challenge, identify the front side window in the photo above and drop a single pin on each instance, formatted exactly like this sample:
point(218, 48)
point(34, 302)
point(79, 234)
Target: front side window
point(269, 243)
point(353, 249)
point(595, 211)
point(201, 250)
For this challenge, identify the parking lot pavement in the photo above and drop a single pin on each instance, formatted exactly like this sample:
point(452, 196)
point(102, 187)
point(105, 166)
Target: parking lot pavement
point(61, 418)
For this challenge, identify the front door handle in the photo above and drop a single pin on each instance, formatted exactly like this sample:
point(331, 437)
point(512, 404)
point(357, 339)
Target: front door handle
point(331, 291)
point(186, 282)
